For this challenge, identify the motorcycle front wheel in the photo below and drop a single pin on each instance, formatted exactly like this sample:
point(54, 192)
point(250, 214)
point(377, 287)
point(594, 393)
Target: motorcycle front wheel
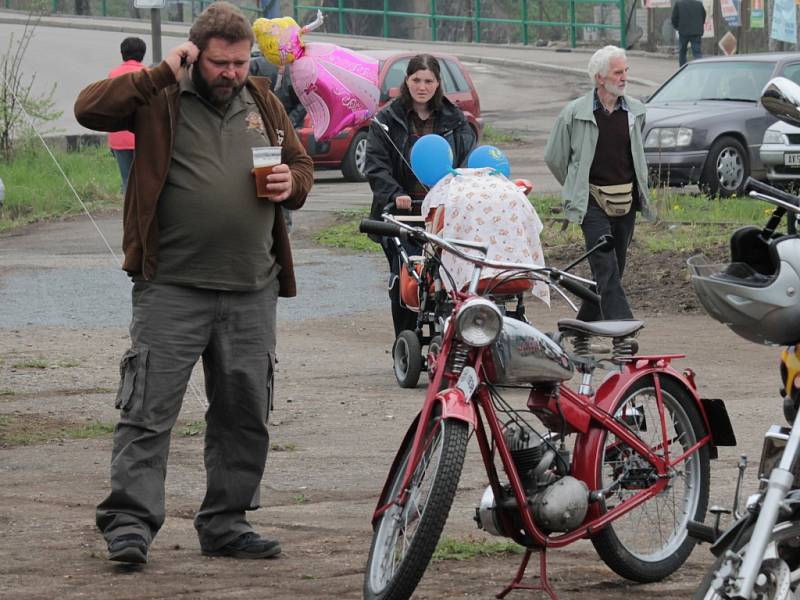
point(774, 583)
point(651, 541)
point(405, 537)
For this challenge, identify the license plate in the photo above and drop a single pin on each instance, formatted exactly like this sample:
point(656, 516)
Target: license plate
point(468, 382)
point(791, 159)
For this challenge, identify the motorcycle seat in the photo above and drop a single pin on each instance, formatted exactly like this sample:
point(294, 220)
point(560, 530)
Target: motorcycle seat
point(612, 329)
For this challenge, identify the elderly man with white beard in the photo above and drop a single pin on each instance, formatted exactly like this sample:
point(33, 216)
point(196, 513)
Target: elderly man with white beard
point(595, 151)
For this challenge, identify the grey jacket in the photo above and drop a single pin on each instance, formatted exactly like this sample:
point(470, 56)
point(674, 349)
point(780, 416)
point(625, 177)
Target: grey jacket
point(569, 153)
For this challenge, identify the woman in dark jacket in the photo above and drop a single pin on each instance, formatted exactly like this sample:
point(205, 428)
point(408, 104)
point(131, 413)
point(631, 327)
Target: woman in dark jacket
point(420, 109)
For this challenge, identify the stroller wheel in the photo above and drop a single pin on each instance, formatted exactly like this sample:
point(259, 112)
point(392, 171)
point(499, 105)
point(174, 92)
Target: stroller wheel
point(407, 355)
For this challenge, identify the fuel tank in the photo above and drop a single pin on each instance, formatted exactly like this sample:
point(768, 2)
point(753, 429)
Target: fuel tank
point(523, 354)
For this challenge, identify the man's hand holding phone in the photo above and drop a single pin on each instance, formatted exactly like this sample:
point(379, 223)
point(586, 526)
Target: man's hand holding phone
point(180, 57)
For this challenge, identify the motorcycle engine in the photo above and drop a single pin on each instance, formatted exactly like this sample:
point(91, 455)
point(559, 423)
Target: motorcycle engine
point(558, 501)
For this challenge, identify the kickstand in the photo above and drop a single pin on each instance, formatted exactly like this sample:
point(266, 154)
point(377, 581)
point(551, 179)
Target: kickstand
point(543, 586)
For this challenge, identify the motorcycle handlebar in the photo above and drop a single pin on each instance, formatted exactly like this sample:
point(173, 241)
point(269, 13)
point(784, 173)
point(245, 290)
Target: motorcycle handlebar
point(753, 185)
point(576, 288)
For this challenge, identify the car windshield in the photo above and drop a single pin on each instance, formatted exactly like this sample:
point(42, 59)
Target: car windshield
point(729, 80)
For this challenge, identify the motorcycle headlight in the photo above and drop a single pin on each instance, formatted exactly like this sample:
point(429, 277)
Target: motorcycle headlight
point(668, 137)
point(478, 322)
point(775, 137)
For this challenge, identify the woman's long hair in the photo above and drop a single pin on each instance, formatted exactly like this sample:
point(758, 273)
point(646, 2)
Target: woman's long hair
point(422, 62)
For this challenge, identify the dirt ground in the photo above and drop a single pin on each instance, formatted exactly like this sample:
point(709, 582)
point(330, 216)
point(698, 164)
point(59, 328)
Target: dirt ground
point(338, 420)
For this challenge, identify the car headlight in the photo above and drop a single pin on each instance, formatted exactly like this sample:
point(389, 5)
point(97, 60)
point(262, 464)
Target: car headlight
point(668, 137)
point(478, 322)
point(775, 137)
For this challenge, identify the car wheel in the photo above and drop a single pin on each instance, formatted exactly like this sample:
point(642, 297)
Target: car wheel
point(727, 168)
point(355, 160)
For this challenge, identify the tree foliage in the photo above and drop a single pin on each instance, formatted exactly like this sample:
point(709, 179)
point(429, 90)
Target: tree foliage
point(21, 110)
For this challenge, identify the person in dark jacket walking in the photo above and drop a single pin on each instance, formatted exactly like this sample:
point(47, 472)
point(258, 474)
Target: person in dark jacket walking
point(420, 109)
point(688, 19)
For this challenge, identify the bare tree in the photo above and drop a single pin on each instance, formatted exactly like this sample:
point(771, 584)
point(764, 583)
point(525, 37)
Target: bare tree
point(16, 94)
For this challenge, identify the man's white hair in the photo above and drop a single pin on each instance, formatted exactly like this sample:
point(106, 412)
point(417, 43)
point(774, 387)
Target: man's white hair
point(600, 62)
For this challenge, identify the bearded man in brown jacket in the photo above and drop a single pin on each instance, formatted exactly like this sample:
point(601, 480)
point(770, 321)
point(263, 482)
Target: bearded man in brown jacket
point(208, 259)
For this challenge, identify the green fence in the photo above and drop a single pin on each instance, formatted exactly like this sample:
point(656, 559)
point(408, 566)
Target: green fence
point(476, 21)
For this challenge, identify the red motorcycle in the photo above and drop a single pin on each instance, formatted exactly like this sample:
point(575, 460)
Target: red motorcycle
point(635, 474)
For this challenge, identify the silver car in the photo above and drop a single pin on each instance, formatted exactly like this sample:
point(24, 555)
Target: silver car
point(780, 153)
point(705, 123)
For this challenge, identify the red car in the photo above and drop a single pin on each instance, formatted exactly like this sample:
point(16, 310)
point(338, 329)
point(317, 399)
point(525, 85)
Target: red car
point(347, 150)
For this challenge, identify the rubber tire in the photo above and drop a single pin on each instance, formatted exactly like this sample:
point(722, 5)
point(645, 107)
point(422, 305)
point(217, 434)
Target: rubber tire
point(607, 543)
point(710, 179)
point(433, 516)
point(740, 543)
point(407, 358)
point(356, 153)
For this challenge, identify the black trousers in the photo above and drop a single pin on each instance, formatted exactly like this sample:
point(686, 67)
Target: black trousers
point(401, 316)
point(607, 265)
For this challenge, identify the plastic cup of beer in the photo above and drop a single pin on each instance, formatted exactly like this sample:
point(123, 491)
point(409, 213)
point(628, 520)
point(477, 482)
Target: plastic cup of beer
point(264, 160)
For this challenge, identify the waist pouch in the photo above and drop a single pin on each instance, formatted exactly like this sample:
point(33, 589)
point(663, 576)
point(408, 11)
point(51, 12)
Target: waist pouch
point(615, 200)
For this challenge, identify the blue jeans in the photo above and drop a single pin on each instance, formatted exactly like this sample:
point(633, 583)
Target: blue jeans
point(124, 162)
point(683, 46)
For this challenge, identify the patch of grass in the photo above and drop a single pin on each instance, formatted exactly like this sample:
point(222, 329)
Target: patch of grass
point(43, 363)
point(287, 447)
point(684, 222)
point(453, 549)
point(491, 136)
point(345, 234)
point(6, 392)
point(300, 499)
point(36, 190)
point(17, 432)
point(32, 363)
point(192, 429)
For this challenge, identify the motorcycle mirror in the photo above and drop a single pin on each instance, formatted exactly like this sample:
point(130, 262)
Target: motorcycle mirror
point(781, 98)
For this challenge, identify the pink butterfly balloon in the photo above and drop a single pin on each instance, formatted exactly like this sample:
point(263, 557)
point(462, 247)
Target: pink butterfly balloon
point(338, 87)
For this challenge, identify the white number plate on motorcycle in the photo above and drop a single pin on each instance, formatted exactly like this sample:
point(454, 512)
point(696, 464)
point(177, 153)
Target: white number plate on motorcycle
point(468, 382)
point(791, 159)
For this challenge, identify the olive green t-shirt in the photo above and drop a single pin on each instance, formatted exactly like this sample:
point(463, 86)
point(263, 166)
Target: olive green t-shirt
point(213, 230)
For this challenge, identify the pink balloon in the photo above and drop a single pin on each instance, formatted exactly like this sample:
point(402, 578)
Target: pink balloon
point(338, 87)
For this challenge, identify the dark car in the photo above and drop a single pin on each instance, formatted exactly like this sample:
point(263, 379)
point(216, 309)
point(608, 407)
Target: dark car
point(347, 150)
point(705, 124)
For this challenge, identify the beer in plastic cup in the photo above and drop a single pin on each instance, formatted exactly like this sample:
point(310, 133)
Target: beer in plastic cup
point(264, 160)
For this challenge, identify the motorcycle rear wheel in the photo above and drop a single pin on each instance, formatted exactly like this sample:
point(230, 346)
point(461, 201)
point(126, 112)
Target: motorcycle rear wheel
point(783, 545)
point(651, 541)
point(405, 537)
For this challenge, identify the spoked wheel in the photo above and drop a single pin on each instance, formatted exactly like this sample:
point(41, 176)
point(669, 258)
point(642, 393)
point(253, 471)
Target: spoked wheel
point(434, 347)
point(405, 537)
point(651, 541)
point(774, 580)
point(407, 355)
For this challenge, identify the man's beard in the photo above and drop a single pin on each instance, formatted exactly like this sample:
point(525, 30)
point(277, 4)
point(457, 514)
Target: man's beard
point(219, 92)
point(615, 90)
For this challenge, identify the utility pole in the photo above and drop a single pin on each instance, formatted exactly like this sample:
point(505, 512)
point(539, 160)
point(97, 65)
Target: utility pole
point(155, 7)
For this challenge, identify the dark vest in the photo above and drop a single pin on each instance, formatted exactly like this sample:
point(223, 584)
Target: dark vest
point(613, 161)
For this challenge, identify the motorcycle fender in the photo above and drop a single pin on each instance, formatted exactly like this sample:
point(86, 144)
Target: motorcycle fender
point(456, 406)
point(408, 439)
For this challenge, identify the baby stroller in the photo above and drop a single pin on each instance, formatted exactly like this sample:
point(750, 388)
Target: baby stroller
point(425, 279)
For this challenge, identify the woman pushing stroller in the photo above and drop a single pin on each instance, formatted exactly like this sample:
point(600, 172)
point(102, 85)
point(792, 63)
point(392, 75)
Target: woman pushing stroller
point(420, 109)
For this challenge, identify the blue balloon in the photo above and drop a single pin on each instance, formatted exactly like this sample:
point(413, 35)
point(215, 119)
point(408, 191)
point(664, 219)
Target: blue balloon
point(431, 158)
point(489, 156)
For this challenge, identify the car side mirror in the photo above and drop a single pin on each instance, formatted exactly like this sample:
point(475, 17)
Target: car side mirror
point(781, 98)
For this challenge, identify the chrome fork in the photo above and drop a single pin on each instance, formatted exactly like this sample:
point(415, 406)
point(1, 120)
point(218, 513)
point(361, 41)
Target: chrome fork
point(780, 483)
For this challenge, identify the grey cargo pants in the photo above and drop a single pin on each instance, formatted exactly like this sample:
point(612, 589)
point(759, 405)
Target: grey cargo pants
point(171, 327)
